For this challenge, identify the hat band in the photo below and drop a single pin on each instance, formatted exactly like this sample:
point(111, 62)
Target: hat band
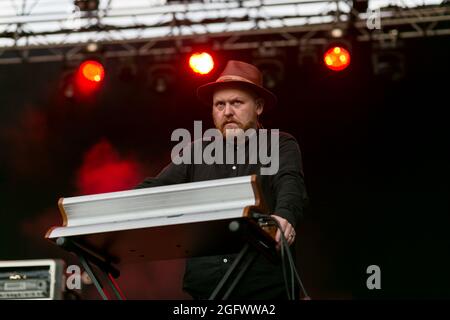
point(234, 78)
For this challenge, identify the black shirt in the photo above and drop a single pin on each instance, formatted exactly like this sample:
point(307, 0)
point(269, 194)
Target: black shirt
point(285, 196)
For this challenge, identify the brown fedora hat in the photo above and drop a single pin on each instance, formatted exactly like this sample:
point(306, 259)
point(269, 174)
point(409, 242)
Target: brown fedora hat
point(242, 73)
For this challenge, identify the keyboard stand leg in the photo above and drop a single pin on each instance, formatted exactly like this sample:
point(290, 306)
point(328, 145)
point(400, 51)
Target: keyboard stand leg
point(94, 279)
point(114, 287)
point(245, 258)
point(86, 260)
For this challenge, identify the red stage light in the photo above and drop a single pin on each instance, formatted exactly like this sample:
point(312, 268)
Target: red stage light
point(201, 63)
point(92, 71)
point(337, 58)
point(89, 77)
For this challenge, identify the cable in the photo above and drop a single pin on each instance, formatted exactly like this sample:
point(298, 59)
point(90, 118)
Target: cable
point(293, 280)
point(291, 261)
point(283, 263)
point(285, 246)
point(261, 218)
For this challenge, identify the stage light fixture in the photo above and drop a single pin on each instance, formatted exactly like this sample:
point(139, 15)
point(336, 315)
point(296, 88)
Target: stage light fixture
point(201, 63)
point(89, 77)
point(336, 33)
point(337, 58)
point(272, 70)
point(67, 85)
point(161, 78)
point(388, 58)
point(389, 64)
point(92, 70)
point(92, 47)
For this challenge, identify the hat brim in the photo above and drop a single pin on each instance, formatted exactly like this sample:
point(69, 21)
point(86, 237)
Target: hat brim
point(206, 91)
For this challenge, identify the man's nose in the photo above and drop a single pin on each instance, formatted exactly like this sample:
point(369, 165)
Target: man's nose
point(228, 110)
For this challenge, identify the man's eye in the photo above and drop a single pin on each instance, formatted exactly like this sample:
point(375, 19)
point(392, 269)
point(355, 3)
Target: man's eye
point(237, 102)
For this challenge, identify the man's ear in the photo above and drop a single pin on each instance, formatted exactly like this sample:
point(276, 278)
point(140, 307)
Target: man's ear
point(259, 106)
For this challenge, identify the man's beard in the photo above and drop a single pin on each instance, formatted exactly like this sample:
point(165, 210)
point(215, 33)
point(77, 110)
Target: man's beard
point(237, 130)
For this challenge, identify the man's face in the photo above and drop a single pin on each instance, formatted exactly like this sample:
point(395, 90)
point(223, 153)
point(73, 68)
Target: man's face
point(235, 107)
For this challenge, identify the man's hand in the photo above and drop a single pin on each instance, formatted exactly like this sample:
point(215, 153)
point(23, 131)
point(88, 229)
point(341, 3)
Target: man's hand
point(288, 231)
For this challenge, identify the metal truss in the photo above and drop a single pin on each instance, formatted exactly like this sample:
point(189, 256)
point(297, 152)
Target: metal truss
point(222, 25)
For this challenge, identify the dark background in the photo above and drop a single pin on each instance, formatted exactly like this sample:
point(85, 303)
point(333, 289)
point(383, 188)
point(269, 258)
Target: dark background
point(374, 152)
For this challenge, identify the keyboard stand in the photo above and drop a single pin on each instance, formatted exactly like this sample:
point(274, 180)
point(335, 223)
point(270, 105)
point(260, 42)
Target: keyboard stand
point(89, 260)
